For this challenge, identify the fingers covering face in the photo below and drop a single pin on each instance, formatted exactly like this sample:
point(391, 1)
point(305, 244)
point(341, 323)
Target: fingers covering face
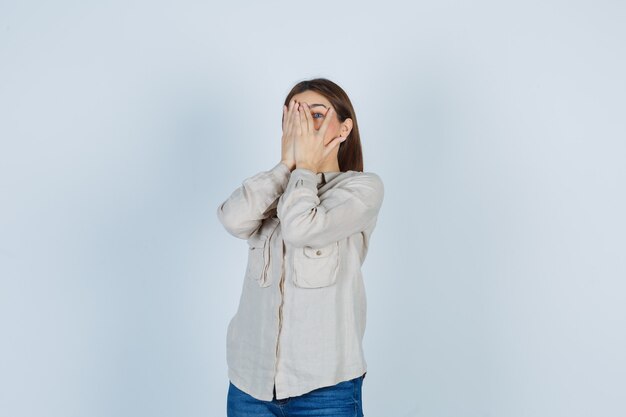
point(298, 118)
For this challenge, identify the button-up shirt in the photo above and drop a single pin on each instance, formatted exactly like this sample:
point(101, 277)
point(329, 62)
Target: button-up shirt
point(302, 311)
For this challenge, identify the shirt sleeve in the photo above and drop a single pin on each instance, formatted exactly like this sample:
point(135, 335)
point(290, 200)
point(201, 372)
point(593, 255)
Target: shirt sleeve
point(346, 209)
point(243, 211)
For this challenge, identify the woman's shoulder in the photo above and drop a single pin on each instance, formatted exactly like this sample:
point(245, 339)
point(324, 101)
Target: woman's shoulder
point(368, 184)
point(363, 177)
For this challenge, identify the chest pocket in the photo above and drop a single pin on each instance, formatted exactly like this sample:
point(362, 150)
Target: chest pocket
point(259, 254)
point(316, 267)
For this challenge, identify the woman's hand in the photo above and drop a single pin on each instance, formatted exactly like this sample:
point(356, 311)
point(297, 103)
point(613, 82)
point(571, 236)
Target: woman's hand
point(310, 151)
point(288, 139)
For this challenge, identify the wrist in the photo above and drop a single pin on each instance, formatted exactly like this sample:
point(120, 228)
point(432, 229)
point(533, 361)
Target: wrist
point(306, 165)
point(289, 164)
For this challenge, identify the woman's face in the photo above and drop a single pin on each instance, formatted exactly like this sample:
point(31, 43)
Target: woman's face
point(319, 106)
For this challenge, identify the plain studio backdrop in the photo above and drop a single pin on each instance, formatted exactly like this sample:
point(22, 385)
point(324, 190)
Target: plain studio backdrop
point(496, 277)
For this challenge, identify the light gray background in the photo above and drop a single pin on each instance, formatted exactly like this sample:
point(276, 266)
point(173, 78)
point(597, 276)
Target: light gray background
point(496, 275)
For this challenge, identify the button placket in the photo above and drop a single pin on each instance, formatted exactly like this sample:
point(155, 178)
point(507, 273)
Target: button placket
point(266, 255)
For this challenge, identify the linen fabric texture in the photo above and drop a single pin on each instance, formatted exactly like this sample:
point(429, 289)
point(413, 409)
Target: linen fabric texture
point(301, 317)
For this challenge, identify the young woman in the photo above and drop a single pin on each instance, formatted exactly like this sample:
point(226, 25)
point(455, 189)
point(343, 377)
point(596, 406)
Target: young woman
point(294, 347)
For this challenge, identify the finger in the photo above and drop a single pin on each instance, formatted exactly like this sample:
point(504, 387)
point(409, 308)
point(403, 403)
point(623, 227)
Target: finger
point(290, 115)
point(294, 118)
point(309, 118)
point(333, 144)
point(287, 116)
point(326, 121)
point(287, 120)
point(284, 117)
point(303, 123)
point(298, 123)
point(291, 107)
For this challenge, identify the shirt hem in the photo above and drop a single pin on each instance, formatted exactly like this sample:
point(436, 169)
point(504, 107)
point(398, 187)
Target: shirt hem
point(327, 382)
point(295, 392)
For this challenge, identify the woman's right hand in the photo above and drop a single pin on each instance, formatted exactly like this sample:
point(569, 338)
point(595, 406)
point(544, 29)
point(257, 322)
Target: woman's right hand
point(288, 140)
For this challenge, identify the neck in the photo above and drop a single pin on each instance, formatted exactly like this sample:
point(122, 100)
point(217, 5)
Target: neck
point(329, 166)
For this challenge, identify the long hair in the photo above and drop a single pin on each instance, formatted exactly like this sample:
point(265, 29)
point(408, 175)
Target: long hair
point(350, 154)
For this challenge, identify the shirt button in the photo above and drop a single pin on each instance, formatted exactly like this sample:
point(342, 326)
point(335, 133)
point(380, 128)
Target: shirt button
point(319, 252)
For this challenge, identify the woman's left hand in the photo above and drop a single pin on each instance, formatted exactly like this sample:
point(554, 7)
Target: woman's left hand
point(310, 151)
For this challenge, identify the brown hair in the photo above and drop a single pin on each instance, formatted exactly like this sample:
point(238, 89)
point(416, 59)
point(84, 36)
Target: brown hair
point(350, 154)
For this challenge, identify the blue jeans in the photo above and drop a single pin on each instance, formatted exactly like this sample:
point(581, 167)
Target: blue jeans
point(340, 400)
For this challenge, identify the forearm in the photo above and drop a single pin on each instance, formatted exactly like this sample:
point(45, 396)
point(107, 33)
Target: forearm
point(307, 219)
point(244, 210)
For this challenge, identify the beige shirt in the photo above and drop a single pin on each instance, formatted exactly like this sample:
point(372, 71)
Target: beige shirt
point(301, 316)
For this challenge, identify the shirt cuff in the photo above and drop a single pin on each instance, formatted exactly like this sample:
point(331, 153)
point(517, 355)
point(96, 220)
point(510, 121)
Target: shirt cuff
point(280, 169)
point(304, 178)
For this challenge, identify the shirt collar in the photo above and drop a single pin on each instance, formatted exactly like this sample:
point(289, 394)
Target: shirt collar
point(324, 177)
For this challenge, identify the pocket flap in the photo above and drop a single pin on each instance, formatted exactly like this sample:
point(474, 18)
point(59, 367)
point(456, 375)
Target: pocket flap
point(316, 267)
point(323, 252)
